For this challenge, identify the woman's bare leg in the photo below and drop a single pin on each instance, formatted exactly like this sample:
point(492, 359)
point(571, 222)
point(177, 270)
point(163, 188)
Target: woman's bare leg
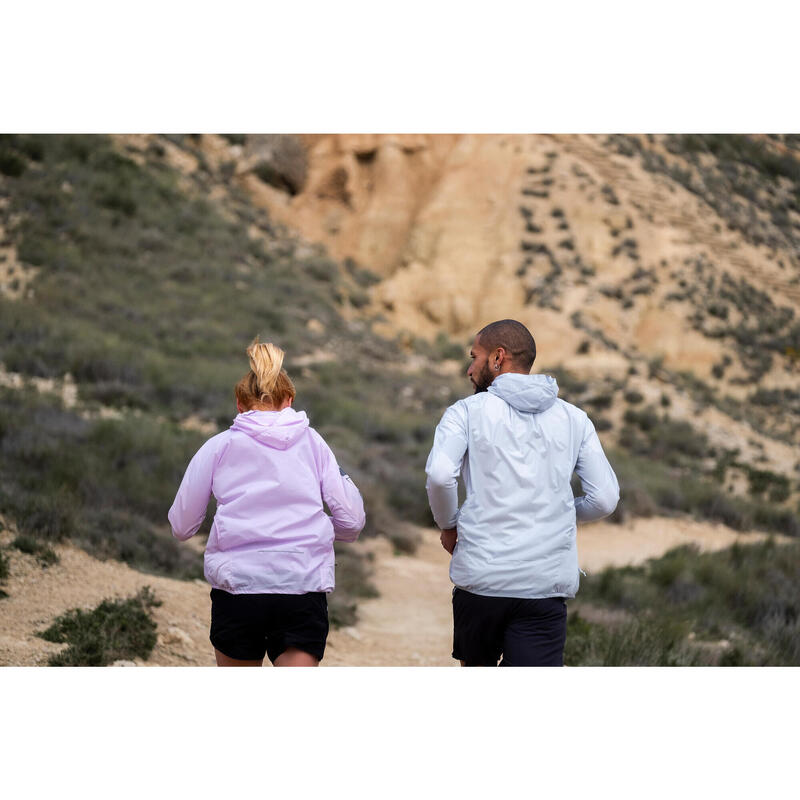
point(225, 661)
point(292, 657)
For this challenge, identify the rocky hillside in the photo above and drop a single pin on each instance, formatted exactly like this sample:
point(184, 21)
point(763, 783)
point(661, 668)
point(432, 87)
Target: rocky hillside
point(660, 276)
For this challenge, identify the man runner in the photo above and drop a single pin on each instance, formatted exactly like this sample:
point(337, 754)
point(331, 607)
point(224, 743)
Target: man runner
point(514, 556)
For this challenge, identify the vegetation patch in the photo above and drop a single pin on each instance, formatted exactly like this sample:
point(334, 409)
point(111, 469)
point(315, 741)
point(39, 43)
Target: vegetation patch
point(752, 182)
point(114, 630)
point(650, 485)
point(352, 583)
point(165, 290)
point(735, 607)
point(635, 643)
point(44, 554)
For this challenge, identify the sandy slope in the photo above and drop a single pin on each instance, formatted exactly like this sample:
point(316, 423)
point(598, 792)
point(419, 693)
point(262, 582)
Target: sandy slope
point(408, 625)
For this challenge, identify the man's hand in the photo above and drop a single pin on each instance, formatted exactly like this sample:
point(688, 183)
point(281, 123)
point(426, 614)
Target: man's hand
point(448, 539)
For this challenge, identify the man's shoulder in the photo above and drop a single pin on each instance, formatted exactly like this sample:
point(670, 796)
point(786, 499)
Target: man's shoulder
point(474, 401)
point(569, 408)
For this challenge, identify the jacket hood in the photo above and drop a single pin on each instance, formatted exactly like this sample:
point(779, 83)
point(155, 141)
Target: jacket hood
point(278, 429)
point(529, 393)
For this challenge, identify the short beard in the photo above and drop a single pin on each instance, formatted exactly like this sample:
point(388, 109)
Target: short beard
point(483, 380)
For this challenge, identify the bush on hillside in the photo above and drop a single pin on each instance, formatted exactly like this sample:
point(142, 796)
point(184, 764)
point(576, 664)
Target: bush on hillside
point(352, 582)
point(114, 630)
point(44, 554)
point(637, 643)
point(11, 164)
point(745, 595)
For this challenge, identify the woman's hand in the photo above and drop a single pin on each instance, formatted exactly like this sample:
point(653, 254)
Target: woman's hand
point(449, 538)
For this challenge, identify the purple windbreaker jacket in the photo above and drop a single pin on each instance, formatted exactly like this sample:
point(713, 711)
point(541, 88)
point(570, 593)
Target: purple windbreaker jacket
point(269, 472)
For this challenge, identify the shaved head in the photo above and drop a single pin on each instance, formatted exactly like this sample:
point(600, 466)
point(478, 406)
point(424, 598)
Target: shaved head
point(514, 337)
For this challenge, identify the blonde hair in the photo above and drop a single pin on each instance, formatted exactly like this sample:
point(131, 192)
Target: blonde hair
point(266, 384)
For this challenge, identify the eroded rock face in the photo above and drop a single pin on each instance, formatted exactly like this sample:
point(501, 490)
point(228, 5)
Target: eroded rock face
point(363, 193)
point(564, 233)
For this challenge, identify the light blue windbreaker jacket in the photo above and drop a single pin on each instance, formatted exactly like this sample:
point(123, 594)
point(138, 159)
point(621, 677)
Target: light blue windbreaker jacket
point(516, 447)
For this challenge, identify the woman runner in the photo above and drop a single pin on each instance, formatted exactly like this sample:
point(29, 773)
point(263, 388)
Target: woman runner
point(269, 556)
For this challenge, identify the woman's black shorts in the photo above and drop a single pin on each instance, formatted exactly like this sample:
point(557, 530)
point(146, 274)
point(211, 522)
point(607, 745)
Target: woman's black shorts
point(246, 626)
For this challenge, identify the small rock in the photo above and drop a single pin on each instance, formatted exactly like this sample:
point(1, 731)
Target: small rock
point(175, 635)
point(315, 326)
point(123, 663)
point(352, 632)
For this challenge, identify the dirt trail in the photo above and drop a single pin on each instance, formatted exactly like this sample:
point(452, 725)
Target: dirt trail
point(408, 625)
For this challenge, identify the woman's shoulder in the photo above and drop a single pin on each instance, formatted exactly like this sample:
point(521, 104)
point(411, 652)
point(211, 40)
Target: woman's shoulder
point(316, 437)
point(217, 443)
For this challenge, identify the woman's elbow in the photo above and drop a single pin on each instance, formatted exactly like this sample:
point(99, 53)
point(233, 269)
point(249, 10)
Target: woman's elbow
point(347, 527)
point(181, 529)
point(348, 533)
point(181, 533)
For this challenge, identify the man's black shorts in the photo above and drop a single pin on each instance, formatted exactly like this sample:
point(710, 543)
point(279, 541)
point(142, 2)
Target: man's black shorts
point(525, 632)
point(246, 626)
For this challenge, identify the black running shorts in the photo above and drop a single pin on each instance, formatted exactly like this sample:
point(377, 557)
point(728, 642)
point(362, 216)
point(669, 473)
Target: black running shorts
point(246, 626)
point(525, 632)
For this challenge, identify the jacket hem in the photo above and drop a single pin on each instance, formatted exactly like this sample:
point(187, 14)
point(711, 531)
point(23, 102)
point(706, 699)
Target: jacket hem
point(519, 594)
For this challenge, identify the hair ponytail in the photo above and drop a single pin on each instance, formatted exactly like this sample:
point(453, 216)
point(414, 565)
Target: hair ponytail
point(267, 382)
point(266, 361)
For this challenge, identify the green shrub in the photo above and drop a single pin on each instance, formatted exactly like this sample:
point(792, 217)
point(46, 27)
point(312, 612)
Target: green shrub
point(116, 629)
point(352, 582)
point(446, 348)
point(745, 594)
point(601, 401)
point(11, 164)
point(639, 643)
point(404, 539)
point(363, 277)
point(3, 566)
point(674, 441)
point(762, 480)
point(682, 488)
point(28, 544)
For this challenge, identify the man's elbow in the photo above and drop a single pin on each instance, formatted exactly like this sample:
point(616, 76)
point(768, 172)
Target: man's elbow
point(439, 478)
point(607, 503)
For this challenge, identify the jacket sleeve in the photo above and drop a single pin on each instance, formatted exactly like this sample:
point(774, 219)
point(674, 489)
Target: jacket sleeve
point(342, 497)
point(189, 508)
point(597, 478)
point(444, 466)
